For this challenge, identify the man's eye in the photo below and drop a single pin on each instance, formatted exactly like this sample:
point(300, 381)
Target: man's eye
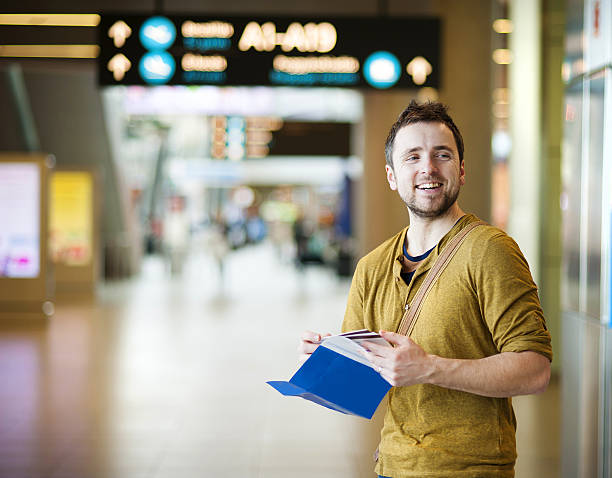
point(444, 156)
point(412, 158)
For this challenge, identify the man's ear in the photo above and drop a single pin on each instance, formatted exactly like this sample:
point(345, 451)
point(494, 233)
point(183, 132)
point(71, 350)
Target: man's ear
point(391, 177)
point(462, 173)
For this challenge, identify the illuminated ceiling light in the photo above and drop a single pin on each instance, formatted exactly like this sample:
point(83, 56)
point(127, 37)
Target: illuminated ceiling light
point(51, 19)
point(503, 25)
point(502, 56)
point(501, 144)
point(501, 110)
point(566, 71)
point(501, 95)
point(50, 51)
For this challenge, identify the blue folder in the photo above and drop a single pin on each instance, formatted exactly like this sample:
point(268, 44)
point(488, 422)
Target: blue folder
point(336, 381)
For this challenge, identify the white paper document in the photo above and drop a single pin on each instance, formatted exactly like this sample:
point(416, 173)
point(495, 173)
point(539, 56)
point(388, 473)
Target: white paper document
point(349, 344)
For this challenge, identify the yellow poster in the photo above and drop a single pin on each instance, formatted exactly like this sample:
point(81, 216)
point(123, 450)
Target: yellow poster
point(71, 218)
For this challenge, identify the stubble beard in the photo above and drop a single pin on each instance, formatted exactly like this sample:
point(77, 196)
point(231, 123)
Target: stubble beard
point(448, 199)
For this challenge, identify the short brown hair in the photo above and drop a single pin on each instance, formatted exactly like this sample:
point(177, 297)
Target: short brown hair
point(429, 112)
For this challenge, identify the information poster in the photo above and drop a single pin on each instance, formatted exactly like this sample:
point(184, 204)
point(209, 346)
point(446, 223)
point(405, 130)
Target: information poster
point(19, 220)
point(71, 218)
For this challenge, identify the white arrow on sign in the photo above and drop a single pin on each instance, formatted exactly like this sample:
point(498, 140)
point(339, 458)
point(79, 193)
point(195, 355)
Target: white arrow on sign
point(119, 64)
point(419, 68)
point(119, 32)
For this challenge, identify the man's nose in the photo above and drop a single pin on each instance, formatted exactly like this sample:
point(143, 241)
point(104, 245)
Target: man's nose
point(428, 165)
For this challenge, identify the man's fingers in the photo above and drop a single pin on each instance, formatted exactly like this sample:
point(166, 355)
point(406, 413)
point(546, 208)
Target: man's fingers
point(306, 348)
point(377, 349)
point(309, 341)
point(378, 363)
point(312, 337)
point(309, 336)
point(393, 338)
point(372, 358)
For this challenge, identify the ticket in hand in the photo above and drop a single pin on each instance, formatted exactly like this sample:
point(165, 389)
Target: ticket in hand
point(363, 335)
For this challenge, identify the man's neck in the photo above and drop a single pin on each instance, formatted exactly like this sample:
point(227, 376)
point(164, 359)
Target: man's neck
point(424, 232)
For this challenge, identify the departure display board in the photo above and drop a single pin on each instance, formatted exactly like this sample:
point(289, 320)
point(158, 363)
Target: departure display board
point(236, 138)
point(275, 51)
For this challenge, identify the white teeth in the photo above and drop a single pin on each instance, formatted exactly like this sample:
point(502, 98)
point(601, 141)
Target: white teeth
point(429, 186)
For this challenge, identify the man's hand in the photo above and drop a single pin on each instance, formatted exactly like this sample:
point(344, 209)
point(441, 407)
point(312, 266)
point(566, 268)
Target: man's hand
point(505, 374)
point(404, 364)
point(309, 341)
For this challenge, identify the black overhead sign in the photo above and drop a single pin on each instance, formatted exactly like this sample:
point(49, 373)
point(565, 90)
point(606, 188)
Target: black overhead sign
point(219, 50)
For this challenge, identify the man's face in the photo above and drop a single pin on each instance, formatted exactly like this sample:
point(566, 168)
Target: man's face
point(426, 170)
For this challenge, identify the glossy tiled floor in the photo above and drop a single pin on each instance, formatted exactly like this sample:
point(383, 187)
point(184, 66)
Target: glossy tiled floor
point(163, 377)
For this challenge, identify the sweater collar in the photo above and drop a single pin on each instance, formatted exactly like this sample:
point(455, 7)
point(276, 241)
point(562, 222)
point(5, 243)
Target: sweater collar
point(431, 259)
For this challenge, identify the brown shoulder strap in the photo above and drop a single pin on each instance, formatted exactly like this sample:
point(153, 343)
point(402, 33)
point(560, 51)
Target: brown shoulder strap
point(412, 311)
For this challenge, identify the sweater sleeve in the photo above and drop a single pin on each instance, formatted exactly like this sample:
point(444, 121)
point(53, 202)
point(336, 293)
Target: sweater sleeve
point(508, 298)
point(353, 315)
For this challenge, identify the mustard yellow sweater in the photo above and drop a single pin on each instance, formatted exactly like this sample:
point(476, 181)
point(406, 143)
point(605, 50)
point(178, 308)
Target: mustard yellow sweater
point(484, 303)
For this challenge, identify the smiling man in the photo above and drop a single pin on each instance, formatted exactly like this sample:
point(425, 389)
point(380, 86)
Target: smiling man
point(480, 337)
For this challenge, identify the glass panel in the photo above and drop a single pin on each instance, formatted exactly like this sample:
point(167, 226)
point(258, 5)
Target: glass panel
point(570, 198)
point(593, 241)
point(588, 426)
point(607, 347)
point(580, 396)
point(574, 40)
point(570, 366)
point(607, 400)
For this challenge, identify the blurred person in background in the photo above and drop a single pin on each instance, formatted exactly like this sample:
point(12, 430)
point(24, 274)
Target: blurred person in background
point(218, 246)
point(480, 337)
point(255, 226)
point(176, 233)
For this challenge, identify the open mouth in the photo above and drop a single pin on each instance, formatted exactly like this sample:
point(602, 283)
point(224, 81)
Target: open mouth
point(427, 186)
